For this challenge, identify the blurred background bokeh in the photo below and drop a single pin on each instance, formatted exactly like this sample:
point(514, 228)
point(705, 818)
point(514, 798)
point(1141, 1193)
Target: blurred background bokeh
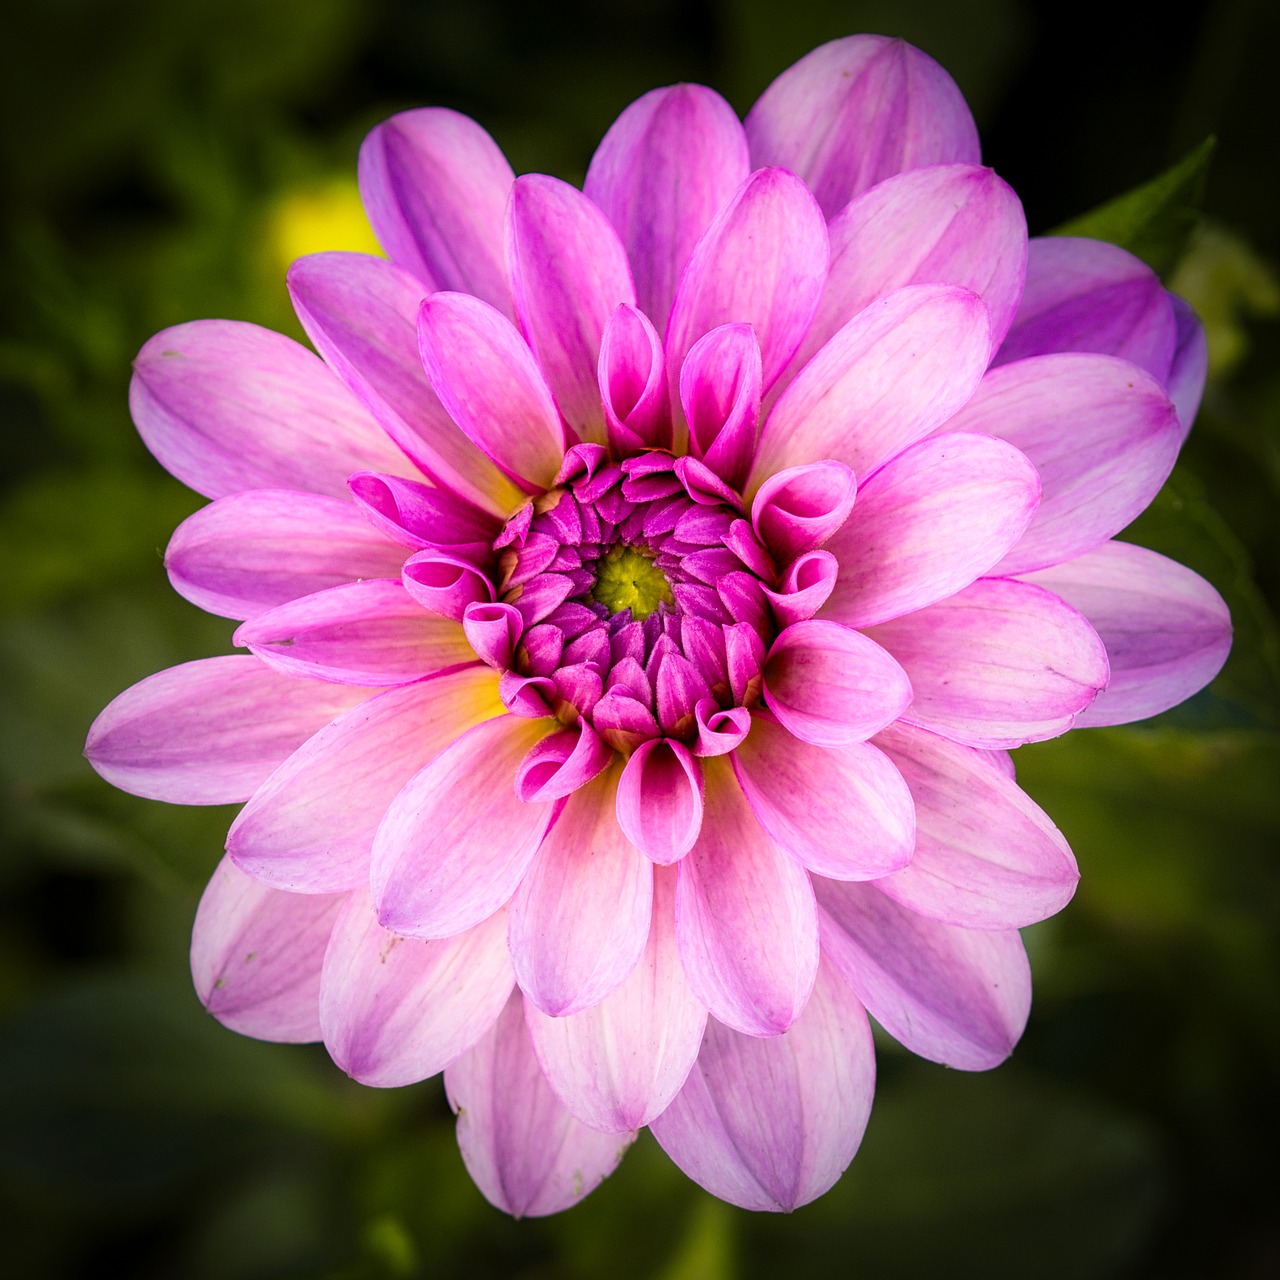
point(161, 162)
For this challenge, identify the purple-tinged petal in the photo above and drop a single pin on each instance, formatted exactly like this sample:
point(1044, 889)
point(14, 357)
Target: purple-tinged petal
point(493, 631)
point(417, 516)
point(805, 587)
point(632, 376)
point(745, 917)
point(842, 812)
point(955, 996)
point(668, 164)
point(720, 386)
point(446, 584)
point(310, 827)
point(928, 523)
point(488, 380)
point(227, 406)
point(617, 1065)
point(772, 1123)
point(744, 659)
point(987, 856)
point(1190, 366)
point(397, 1010)
point(561, 763)
point(525, 1152)
point(998, 664)
point(211, 731)
point(719, 731)
point(897, 371)
point(660, 799)
point(831, 686)
point(1167, 631)
point(250, 551)
point(857, 111)
point(623, 721)
point(457, 840)
point(256, 955)
point(435, 187)
point(798, 509)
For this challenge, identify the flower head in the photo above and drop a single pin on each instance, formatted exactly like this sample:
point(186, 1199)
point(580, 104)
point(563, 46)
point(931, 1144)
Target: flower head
point(642, 591)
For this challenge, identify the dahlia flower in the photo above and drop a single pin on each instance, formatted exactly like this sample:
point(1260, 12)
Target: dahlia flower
point(642, 589)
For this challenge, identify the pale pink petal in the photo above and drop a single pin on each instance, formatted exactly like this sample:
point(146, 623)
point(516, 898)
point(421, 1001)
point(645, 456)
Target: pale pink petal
point(256, 955)
point(720, 387)
point(987, 856)
point(843, 812)
point(798, 509)
point(660, 799)
point(855, 112)
point(310, 828)
point(250, 551)
point(1166, 630)
point(772, 1123)
point(632, 375)
point(661, 173)
point(396, 1010)
point(525, 1152)
point(211, 731)
point(227, 406)
point(1190, 366)
point(745, 917)
point(955, 996)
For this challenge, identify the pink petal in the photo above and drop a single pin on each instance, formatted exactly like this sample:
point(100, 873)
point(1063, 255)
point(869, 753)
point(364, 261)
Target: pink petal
point(1166, 630)
point(720, 392)
point(660, 799)
point(417, 516)
point(1190, 366)
point(210, 732)
point(445, 583)
point(256, 955)
point(955, 996)
point(661, 173)
point(772, 1123)
point(804, 588)
point(855, 112)
point(435, 187)
point(719, 731)
point(745, 917)
point(632, 376)
point(798, 509)
point(561, 763)
point(927, 524)
point(397, 1010)
point(310, 827)
point(526, 1153)
point(249, 551)
point(843, 812)
point(227, 406)
point(987, 857)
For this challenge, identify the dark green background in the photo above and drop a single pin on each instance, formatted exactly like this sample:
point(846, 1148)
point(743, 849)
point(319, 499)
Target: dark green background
point(146, 152)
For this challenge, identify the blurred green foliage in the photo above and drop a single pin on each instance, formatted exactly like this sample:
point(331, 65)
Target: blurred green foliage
point(160, 163)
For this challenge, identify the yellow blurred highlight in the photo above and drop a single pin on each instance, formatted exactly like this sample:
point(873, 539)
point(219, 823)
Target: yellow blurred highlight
point(317, 218)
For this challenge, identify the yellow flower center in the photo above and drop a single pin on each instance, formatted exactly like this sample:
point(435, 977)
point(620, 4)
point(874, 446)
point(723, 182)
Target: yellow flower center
point(627, 578)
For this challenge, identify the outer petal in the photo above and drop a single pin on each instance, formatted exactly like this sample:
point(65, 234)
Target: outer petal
point(1166, 630)
point(256, 956)
point(527, 1154)
point(397, 1010)
point(227, 406)
point(956, 996)
point(771, 1124)
point(209, 732)
point(857, 111)
point(661, 173)
point(1190, 365)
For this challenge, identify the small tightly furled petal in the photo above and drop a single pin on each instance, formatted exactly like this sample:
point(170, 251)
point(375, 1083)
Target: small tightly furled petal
point(418, 516)
point(211, 731)
point(857, 111)
point(562, 762)
point(720, 387)
point(632, 375)
point(525, 1152)
point(798, 509)
point(660, 799)
point(955, 996)
point(256, 955)
point(1166, 630)
point(772, 1123)
point(445, 583)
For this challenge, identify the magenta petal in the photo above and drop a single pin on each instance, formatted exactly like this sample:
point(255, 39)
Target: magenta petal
point(855, 112)
point(632, 375)
point(256, 955)
point(928, 523)
point(955, 996)
point(435, 187)
point(396, 1010)
point(445, 583)
point(1190, 365)
point(798, 509)
point(617, 1065)
point(525, 1152)
point(804, 588)
point(227, 406)
point(745, 917)
point(457, 840)
point(661, 173)
point(830, 686)
point(720, 386)
point(660, 799)
point(493, 631)
point(418, 515)
point(986, 857)
point(561, 763)
point(310, 827)
point(998, 664)
point(210, 732)
point(1167, 631)
point(843, 812)
point(719, 731)
point(250, 551)
point(772, 1123)
point(568, 273)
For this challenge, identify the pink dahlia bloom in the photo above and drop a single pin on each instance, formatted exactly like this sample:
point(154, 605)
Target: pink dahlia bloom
point(642, 590)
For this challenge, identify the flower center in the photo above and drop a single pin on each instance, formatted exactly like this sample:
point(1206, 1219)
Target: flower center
point(627, 578)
